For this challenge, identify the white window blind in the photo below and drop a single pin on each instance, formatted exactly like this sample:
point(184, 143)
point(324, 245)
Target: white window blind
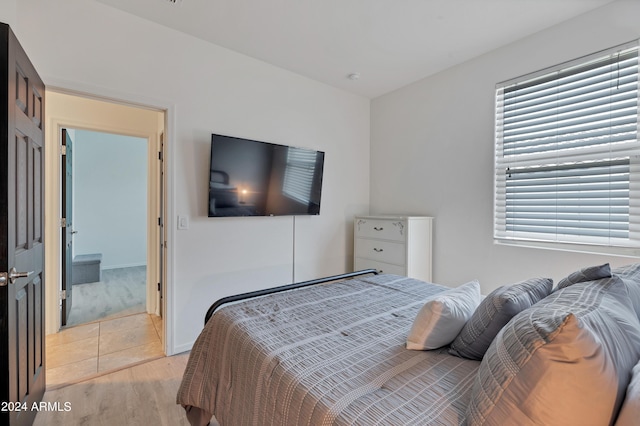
point(567, 153)
point(299, 173)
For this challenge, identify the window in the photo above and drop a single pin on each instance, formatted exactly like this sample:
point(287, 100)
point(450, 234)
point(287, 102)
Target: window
point(299, 173)
point(568, 155)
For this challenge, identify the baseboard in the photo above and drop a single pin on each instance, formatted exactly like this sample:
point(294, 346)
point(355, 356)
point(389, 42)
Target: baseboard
point(182, 348)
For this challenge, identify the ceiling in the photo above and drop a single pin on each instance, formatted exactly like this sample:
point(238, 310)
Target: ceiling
point(389, 43)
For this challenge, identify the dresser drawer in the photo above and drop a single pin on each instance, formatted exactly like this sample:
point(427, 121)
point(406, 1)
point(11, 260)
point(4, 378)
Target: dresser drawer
point(381, 267)
point(394, 244)
point(381, 251)
point(394, 230)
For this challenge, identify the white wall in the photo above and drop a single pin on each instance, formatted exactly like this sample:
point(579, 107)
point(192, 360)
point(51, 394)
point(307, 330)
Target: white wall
point(110, 198)
point(8, 13)
point(432, 151)
point(212, 89)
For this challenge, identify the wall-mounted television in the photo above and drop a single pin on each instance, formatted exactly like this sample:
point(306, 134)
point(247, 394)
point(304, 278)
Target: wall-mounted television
point(254, 178)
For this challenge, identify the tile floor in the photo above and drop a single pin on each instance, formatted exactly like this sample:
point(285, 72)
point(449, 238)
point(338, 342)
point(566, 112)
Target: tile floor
point(89, 350)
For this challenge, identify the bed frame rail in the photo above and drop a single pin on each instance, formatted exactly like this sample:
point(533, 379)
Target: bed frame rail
point(264, 292)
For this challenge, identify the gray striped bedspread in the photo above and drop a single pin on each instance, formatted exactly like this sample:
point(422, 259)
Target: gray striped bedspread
point(330, 354)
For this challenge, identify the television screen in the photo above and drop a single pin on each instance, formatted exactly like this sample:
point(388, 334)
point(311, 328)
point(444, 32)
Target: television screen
point(253, 178)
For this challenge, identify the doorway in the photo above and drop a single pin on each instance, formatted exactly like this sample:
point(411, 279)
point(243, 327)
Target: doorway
point(104, 200)
point(118, 130)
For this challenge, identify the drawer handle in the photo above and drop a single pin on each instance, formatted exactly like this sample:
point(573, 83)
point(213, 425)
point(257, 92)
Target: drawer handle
point(378, 250)
point(376, 228)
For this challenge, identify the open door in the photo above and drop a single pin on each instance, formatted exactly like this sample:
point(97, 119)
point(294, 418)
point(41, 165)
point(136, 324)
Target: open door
point(67, 225)
point(22, 280)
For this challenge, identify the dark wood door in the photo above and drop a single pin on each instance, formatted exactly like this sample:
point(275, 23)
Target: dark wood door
point(67, 230)
point(21, 233)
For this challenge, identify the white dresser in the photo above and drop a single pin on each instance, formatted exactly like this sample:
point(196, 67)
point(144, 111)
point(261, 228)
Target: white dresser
point(398, 245)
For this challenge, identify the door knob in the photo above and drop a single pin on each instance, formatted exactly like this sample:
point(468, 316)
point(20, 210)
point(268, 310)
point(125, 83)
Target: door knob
point(8, 278)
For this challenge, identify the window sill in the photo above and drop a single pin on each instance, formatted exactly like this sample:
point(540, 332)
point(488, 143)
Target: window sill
point(575, 248)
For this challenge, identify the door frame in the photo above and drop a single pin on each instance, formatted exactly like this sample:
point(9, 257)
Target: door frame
point(52, 197)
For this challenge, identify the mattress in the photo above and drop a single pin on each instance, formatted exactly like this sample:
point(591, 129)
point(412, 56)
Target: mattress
point(330, 354)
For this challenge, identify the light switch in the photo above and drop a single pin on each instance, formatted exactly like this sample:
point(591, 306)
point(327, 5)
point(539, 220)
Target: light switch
point(183, 222)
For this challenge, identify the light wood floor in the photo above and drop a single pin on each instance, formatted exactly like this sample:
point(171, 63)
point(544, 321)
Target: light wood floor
point(89, 350)
point(141, 395)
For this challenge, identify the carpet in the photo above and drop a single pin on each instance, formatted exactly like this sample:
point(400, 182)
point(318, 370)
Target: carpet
point(120, 292)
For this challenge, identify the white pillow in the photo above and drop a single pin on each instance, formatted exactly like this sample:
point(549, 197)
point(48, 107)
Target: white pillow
point(443, 316)
point(630, 411)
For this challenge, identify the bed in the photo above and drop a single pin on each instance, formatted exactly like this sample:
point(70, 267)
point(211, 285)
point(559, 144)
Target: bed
point(330, 353)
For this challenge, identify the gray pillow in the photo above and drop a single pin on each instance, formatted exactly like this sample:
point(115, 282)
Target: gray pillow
point(630, 275)
point(630, 411)
point(494, 312)
point(590, 273)
point(566, 360)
